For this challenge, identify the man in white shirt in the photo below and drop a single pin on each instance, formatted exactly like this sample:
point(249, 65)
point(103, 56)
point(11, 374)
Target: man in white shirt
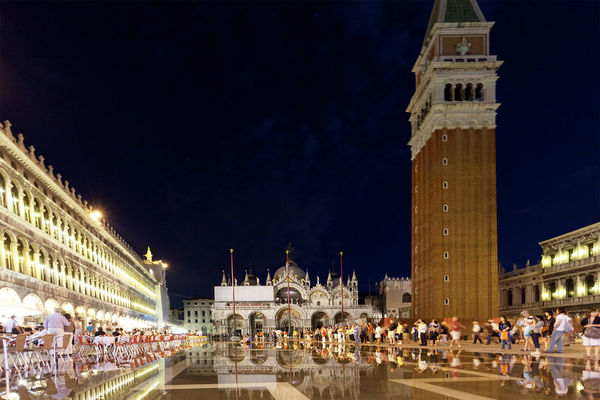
point(55, 324)
point(11, 325)
point(562, 321)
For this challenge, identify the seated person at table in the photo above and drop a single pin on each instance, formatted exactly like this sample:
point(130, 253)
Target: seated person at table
point(12, 326)
point(117, 332)
point(99, 332)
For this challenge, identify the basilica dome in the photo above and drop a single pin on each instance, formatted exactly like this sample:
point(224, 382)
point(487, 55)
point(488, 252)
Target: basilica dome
point(294, 269)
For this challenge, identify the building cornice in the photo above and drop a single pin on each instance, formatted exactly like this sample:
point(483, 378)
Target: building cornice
point(453, 116)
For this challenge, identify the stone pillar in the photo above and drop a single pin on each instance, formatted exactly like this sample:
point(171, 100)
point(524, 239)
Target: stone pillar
point(36, 264)
point(27, 262)
point(3, 258)
point(14, 256)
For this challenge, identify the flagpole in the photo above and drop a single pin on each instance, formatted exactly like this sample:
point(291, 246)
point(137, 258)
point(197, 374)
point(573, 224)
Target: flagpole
point(287, 268)
point(342, 281)
point(233, 291)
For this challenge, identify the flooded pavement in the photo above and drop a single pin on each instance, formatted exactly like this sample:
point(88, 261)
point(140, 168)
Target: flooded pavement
point(230, 371)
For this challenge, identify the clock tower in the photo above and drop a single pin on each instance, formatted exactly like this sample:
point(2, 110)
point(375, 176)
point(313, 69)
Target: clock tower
point(453, 126)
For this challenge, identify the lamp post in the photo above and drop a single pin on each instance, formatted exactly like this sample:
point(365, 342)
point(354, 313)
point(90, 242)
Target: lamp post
point(233, 291)
point(287, 269)
point(342, 281)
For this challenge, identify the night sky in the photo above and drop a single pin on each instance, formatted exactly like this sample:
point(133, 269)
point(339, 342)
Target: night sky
point(200, 127)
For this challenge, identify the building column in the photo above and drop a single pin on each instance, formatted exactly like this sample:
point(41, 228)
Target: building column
point(27, 262)
point(14, 255)
point(36, 264)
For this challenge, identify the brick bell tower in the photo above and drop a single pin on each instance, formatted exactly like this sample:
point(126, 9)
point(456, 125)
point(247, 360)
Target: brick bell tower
point(453, 121)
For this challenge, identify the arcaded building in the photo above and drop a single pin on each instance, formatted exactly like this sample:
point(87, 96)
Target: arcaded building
point(264, 307)
point(453, 126)
point(57, 251)
point(568, 275)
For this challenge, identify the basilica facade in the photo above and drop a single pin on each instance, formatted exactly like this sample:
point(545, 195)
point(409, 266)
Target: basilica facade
point(264, 307)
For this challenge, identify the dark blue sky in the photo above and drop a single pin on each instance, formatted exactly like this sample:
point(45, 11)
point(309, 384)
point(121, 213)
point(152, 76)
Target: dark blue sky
point(200, 127)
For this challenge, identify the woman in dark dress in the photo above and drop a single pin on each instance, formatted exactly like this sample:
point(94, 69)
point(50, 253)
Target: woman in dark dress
point(591, 333)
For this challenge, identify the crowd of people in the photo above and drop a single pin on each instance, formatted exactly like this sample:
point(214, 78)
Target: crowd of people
point(60, 323)
point(531, 332)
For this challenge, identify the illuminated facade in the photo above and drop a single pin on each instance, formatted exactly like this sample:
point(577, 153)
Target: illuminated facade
point(57, 251)
point(453, 123)
point(265, 308)
point(197, 315)
point(395, 297)
point(567, 276)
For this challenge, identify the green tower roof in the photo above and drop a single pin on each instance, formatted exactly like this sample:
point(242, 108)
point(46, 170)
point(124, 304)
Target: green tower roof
point(454, 11)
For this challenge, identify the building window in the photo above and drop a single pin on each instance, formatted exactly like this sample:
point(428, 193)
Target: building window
point(189, 321)
point(189, 313)
point(196, 313)
point(445, 185)
point(448, 92)
point(446, 301)
point(446, 278)
point(416, 249)
point(445, 208)
point(444, 161)
point(416, 229)
point(416, 168)
point(416, 189)
point(445, 231)
point(196, 321)
point(195, 304)
point(203, 313)
point(203, 321)
point(406, 297)
point(446, 255)
point(479, 92)
point(444, 138)
point(458, 92)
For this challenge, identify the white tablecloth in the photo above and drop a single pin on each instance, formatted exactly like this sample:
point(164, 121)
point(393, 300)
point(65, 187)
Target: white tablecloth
point(105, 340)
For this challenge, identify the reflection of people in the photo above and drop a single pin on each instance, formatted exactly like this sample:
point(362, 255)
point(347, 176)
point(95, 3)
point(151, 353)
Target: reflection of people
point(561, 383)
point(590, 379)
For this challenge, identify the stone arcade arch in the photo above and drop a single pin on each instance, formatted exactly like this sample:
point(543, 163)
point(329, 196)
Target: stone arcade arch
point(319, 319)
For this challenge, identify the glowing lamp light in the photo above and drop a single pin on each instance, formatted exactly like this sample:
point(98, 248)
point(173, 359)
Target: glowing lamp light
point(545, 296)
point(165, 265)
point(96, 215)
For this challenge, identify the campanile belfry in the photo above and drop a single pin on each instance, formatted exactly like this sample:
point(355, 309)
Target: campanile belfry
point(453, 122)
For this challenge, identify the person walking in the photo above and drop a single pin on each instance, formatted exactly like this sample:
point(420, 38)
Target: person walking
point(561, 326)
point(477, 332)
point(527, 327)
point(55, 324)
point(434, 331)
point(505, 327)
point(591, 334)
point(422, 329)
point(378, 334)
point(455, 330)
point(536, 333)
point(548, 328)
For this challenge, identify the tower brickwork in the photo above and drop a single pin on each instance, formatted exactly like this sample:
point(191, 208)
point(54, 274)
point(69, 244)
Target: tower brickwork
point(453, 125)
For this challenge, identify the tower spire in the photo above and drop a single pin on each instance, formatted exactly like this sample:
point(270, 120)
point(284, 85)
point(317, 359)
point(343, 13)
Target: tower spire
point(453, 11)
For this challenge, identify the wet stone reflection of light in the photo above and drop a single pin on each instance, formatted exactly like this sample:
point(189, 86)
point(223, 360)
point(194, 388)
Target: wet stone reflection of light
point(300, 371)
